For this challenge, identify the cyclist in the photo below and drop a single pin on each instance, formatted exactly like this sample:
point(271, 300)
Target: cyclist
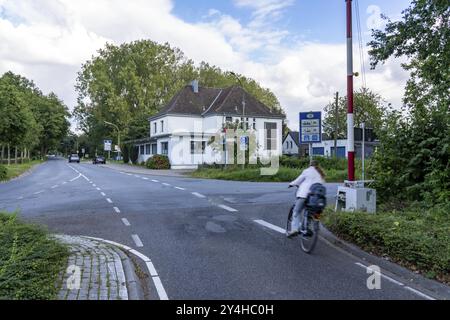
point(314, 174)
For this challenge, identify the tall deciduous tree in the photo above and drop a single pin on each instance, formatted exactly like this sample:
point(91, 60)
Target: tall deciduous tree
point(369, 108)
point(413, 159)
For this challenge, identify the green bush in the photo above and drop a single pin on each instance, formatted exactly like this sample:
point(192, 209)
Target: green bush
point(30, 262)
point(3, 172)
point(158, 162)
point(415, 238)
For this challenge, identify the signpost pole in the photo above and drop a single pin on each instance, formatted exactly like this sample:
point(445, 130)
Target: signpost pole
point(350, 116)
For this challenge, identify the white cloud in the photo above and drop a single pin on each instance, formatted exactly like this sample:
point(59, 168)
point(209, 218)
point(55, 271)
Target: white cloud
point(48, 41)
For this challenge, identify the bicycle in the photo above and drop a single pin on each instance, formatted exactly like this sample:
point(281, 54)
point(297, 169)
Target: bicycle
point(309, 230)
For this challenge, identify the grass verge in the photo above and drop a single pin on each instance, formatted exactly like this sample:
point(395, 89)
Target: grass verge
point(15, 170)
point(414, 238)
point(284, 174)
point(30, 261)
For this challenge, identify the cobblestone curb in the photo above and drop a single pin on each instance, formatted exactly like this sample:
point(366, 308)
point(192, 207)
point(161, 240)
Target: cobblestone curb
point(96, 271)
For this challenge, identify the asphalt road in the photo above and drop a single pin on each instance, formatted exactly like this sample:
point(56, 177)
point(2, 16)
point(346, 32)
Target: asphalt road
point(201, 235)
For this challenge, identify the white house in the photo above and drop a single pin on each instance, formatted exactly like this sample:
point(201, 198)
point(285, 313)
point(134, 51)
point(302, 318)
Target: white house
point(291, 144)
point(188, 122)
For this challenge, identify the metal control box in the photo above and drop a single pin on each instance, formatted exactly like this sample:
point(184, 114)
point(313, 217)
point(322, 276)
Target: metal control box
point(351, 199)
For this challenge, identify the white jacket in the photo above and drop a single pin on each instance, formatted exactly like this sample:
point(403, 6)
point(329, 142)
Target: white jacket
point(308, 177)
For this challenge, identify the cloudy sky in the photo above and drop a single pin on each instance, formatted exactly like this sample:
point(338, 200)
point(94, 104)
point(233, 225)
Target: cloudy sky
point(294, 47)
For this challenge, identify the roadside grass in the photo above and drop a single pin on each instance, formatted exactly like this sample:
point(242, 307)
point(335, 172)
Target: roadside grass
point(284, 174)
point(30, 261)
point(15, 170)
point(418, 239)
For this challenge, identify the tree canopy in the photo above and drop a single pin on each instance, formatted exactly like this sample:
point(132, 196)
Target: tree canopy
point(126, 84)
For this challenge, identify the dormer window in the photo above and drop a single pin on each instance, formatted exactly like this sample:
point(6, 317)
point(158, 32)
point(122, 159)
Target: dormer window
point(154, 128)
point(162, 126)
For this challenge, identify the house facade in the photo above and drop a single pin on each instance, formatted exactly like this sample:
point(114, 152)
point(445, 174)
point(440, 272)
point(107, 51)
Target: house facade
point(196, 116)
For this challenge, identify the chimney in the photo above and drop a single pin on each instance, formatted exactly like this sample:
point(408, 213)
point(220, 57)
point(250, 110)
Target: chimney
point(194, 85)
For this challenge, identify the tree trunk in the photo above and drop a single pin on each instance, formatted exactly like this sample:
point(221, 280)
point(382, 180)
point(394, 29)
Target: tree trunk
point(15, 155)
point(3, 154)
point(9, 154)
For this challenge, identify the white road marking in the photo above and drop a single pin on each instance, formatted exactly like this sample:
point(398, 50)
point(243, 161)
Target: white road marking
point(382, 275)
point(94, 185)
point(155, 180)
point(98, 189)
point(156, 280)
point(180, 188)
point(137, 176)
point(116, 210)
point(76, 178)
point(270, 226)
point(227, 208)
point(423, 295)
point(137, 241)
point(55, 186)
point(166, 184)
point(64, 182)
point(129, 174)
point(198, 195)
point(19, 198)
point(126, 222)
point(144, 178)
point(151, 269)
point(109, 200)
point(159, 287)
point(39, 192)
point(103, 194)
point(417, 292)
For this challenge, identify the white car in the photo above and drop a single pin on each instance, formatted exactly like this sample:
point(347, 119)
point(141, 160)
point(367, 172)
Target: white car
point(74, 158)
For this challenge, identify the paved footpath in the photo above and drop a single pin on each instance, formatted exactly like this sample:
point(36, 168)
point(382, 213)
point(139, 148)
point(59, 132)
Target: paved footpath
point(96, 271)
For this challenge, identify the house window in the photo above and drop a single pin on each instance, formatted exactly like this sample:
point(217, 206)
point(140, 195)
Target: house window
point(254, 123)
point(147, 149)
point(229, 119)
point(154, 127)
point(142, 150)
point(164, 148)
point(198, 147)
point(154, 148)
point(162, 126)
point(270, 129)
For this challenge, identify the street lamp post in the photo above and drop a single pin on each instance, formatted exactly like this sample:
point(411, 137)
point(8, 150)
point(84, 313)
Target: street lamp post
point(118, 136)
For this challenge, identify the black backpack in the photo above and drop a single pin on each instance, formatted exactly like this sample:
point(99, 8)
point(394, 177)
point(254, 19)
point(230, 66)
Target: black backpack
point(317, 198)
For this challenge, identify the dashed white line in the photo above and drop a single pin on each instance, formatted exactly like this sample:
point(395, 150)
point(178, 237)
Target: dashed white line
point(55, 186)
point(227, 208)
point(137, 176)
point(20, 198)
point(94, 185)
point(159, 287)
point(167, 184)
point(64, 182)
point(144, 178)
point(137, 241)
point(109, 200)
point(39, 192)
point(155, 180)
point(180, 188)
point(129, 174)
point(116, 209)
point(270, 226)
point(76, 178)
point(103, 194)
point(198, 195)
point(98, 189)
point(126, 222)
point(423, 295)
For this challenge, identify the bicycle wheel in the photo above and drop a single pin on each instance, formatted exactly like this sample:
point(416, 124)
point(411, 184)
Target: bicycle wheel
point(289, 220)
point(308, 242)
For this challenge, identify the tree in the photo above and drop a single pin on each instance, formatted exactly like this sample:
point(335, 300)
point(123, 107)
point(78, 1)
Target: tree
point(126, 84)
point(413, 159)
point(369, 108)
point(423, 36)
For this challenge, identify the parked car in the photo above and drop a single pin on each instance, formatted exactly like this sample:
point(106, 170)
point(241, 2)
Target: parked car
point(99, 159)
point(74, 158)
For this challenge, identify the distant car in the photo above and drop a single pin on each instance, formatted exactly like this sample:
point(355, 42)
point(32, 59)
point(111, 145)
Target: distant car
point(98, 160)
point(74, 158)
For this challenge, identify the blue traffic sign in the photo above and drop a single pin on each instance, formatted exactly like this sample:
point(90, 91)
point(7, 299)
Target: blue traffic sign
point(310, 127)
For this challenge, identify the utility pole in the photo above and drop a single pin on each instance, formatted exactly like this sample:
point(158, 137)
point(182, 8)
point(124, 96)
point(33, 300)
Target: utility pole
point(350, 116)
point(336, 125)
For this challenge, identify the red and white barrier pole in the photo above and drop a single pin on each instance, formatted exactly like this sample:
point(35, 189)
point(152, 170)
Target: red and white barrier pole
point(350, 117)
